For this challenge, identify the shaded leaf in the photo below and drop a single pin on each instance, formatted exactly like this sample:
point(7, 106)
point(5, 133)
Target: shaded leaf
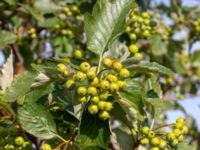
point(8, 107)
point(185, 146)
point(7, 38)
point(106, 22)
point(37, 121)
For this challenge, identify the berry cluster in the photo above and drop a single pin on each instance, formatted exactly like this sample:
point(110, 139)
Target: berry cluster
point(19, 143)
point(100, 85)
point(159, 141)
point(32, 33)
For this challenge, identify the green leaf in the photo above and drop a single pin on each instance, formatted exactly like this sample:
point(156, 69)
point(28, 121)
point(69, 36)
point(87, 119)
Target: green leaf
point(131, 99)
point(93, 132)
point(185, 146)
point(20, 86)
point(37, 121)
point(46, 6)
point(7, 106)
point(196, 58)
point(7, 71)
point(7, 38)
point(145, 66)
point(158, 47)
point(105, 23)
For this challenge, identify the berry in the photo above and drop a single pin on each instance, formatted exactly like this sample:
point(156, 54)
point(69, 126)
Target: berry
point(178, 126)
point(57, 26)
point(176, 132)
point(124, 73)
point(78, 54)
point(154, 148)
point(66, 73)
point(9, 147)
point(121, 84)
point(83, 99)
point(80, 76)
point(114, 87)
point(111, 78)
point(93, 109)
point(170, 136)
point(104, 115)
point(82, 91)
point(92, 90)
point(133, 48)
point(107, 62)
point(145, 130)
point(144, 141)
point(133, 36)
point(101, 105)
point(46, 147)
point(95, 82)
point(91, 74)
point(151, 134)
point(104, 85)
point(85, 66)
point(95, 99)
point(108, 106)
point(61, 68)
point(104, 96)
point(185, 130)
point(26, 144)
point(146, 33)
point(180, 120)
point(117, 66)
point(174, 142)
point(69, 83)
point(155, 141)
point(180, 138)
point(33, 36)
point(162, 144)
point(138, 56)
point(19, 140)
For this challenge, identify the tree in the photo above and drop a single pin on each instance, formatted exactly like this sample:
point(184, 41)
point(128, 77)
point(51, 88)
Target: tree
point(96, 74)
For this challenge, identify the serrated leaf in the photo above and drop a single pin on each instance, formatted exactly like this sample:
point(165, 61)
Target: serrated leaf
point(185, 146)
point(93, 132)
point(158, 47)
point(7, 38)
point(20, 86)
point(117, 50)
point(37, 121)
point(105, 23)
point(6, 77)
point(145, 66)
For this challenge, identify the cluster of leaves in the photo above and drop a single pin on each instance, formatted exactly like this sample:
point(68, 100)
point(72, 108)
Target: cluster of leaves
point(36, 103)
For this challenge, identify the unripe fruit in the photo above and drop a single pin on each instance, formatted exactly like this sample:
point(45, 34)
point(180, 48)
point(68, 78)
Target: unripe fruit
point(74, 8)
point(180, 120)
point(82, 91)
point(151, 134)
point(146, 21)
point(31, 30)
point(114, 87)
point(104, 96)
point(144, 141)
point(91, 74)
point(33, 36)
point(85, 66)
point(66, 73)
point(170, 136)
point(104, 85)
point(174, 142)
point(46, 147)
point(133, 132)
point(107, 62)
point(145, 130)
point(9, 147)
point(108, 106)
point(19, 141)
point(133, 36)
point(92, 91)
point(162, 144)
point(61, 68)
point(57, 26)
point(117, 66)
point(111, 78)
point(95, 82)
point(95, 99)
point(176, 132)
point(26, 144)
point(102, 105)
point(146, 33)
point(178, 126)
point(133, 48)
point(128, 29)
point(121, 84)
point(155, 141)
point(124, 73)
point(185, 130)
point(154, 148)
point(138, 56)
point(145, 15)
point(80, 76)
point(78, 54)
point(180, 138)
point(104, 115)
point(69, 83)
point(83, 99)
point(93, 109)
